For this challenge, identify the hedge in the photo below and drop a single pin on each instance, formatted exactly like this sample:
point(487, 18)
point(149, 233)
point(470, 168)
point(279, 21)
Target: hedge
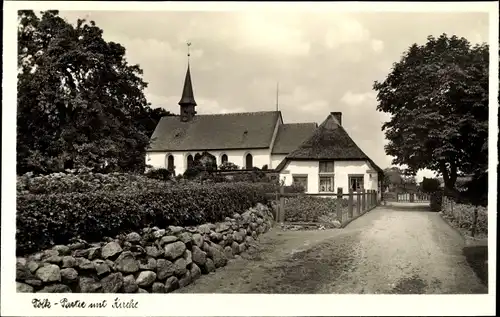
point(46, 220)
point(305, 208)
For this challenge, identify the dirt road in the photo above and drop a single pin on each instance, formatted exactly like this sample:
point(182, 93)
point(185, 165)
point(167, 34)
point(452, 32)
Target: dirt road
point(390, 250)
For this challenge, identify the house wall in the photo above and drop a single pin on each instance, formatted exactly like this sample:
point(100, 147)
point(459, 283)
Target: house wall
point(261, 157)
point(342, 170)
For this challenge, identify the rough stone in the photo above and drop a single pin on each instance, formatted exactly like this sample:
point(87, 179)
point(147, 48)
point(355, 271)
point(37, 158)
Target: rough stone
point(127, 263)
point(94, 253)
point(84, 264)
point(187, 239)
point(249, 240)
point(185, 279)
point(89, 285)
point(69, 275)
point(55, 288)
point(199, 257)
point(159, 233)
point(205, 228)
point(254, 235)
point(180, 267)
point(101, 267)
point(79, 253)
point(153, 251)
point(62, 249)
point(112, 283)
point(217, 257)
point(188, 257)
point(235, 248)
point(246, 217)
point(164, 269)
point(228, 252)
point(254, 226)
point(236, 216)
point(34, 282)
point(111, 265)
point(168, 240)
point(222, 226)
point(336, 224)
point(174, 250)
point(129, 284)
point(259, 221)
point(206, 246)
point(208, 267)
point(242, 247)
point(158, 287)
point(175, 229)
point(198, 240)
point(238, 236)
point(32, 266)
point(49, 253)
point(195, 272)
point(171, 284)
point(24, 288)
point(49, 273)
point(111, 250)
point(76, 246)
point(55, 259)
point(146, 278)
point(23, 273)
point(133, 237)
point(142, 291)
point(68, 261)
point(147, 264)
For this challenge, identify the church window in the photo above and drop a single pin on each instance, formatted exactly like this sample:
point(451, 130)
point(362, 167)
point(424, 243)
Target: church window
point(170, 163)
point(249, 161)
point(223, 158)
point(190, 161)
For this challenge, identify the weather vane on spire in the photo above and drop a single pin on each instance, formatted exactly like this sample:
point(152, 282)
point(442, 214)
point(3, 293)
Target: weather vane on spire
point(189, 54)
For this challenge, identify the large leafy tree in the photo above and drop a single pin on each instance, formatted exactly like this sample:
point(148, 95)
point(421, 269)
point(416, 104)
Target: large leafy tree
point(79, 101)
point(437, 95)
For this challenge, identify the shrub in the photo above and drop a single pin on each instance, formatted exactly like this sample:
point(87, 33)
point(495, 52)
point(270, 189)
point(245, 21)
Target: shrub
point(311, 209)
point(228, 166)
point(159, 173)
point(294, 188)
point(45, 220)
point(462, 217)
point(430, 185)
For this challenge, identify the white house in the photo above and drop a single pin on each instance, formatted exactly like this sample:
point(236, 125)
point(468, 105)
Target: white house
point(321, 158)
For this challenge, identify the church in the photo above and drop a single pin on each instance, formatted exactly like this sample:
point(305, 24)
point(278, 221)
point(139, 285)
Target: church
point(321, 158)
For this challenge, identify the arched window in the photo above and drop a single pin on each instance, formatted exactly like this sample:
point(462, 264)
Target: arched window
point(249, 161)
point(170, 163)
point(189, 161)
point(223, 158)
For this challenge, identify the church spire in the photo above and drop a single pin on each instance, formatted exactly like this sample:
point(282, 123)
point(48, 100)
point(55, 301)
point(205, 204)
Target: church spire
point(187, 101)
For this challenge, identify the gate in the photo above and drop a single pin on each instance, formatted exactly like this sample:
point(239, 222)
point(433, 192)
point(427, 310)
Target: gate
point(417, 197)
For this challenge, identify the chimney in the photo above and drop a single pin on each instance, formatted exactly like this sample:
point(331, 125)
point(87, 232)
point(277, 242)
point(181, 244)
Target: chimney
point(338, 117)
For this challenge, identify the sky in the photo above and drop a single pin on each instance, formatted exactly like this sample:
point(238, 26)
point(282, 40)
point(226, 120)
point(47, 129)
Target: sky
point(324, 62)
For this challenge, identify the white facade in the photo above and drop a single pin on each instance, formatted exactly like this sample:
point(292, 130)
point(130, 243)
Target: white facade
point(342, 171)
point(276, 160)
point(260, 158)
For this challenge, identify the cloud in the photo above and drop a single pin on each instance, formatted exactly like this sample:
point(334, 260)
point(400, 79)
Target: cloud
point(345, 31)
point(355, 99)
point(377, 45)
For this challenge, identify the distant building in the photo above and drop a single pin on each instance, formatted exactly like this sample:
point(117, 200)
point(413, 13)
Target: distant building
point(322, 158)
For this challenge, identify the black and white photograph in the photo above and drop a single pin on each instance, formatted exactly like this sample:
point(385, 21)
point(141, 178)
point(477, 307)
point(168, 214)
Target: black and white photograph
point(269, 150)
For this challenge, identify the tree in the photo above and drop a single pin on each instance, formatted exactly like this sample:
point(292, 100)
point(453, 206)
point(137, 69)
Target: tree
point(437, 95)
point(78, 98)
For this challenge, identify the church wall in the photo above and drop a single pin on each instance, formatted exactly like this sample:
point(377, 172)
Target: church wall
point(276, 160)
point(261, 157)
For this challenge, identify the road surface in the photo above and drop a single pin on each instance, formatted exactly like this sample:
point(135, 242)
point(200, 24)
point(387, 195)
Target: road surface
point(389, 250)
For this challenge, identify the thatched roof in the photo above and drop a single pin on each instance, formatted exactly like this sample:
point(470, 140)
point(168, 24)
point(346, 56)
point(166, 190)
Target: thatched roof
point(247, 130)
point(329, 142)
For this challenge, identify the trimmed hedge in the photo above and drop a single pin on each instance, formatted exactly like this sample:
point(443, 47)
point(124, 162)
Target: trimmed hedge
point(305, 208)
point(46, 220)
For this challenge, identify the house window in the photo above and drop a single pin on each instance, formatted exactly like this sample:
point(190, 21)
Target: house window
point(170, 163)
point(326, 184)
point(300, 180)
point(249, 161)
point(326, 175)
point(189, 161)
point(326, 167)
point(356, 182)
point(223, 158)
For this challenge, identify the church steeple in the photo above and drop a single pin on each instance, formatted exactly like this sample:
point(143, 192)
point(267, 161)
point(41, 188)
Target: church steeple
point(187, 101)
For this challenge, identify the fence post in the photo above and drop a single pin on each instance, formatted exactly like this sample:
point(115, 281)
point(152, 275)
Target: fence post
point(339, 204)
point(350, 204)
point(412, 197)
point(363, 200)
point(282, 205)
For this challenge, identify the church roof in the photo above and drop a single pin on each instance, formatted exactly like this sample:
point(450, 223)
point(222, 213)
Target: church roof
point(187, 92)
point(247, 130)
point(291, 135)
point(329, 142)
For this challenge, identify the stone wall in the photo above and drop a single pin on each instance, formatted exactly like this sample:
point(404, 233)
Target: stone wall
point(153, 261)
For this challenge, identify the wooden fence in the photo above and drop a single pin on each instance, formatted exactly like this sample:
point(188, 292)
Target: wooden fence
point(358, 203)
point(406, 197)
